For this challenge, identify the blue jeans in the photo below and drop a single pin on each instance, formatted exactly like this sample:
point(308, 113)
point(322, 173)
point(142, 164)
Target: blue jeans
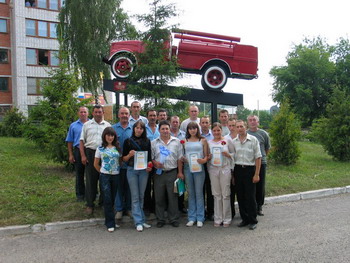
point(195, 183)
point(109, 185)
point(137, 182)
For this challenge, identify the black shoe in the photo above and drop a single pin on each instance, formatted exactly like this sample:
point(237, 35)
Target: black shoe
point(242, 224)
point(260, 213)
point(160, 224)
point(183, 211)
point(252, 226)
point(210, 217)
point(175, 224)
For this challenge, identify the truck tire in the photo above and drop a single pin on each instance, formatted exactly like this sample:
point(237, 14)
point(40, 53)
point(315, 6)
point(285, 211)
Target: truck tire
point(122, 65)
point(214, 77)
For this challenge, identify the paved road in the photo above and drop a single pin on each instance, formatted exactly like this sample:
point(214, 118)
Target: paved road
point(315, 230)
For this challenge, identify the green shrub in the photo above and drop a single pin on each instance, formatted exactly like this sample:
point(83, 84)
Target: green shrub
point(333, 130)
point(285, 131)
point(13, 124)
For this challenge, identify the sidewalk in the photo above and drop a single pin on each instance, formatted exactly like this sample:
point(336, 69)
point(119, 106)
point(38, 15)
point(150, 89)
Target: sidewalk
point(27, 229)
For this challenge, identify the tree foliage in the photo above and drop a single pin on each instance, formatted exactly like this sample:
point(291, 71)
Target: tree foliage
point(86, 29)
point(13, 123)
point(307, 80)
point(333, 130)
point(285, 131)
point(156, 68)
point(48, 122)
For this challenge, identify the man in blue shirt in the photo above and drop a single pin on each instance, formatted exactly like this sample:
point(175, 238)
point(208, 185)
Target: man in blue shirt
point(73, 140)
point(151, 126)
point(124, 131)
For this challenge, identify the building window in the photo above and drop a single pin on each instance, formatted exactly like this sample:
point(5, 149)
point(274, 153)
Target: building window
point(4, 56)
point(35, 85)
point(31, 57)
point(4, 84)
point(3, 26)
point(3, 1)
point(30, 27)
point(42, 57)
point(41, 28)
point(46, 4)
point(41, 3)
point(53, 4)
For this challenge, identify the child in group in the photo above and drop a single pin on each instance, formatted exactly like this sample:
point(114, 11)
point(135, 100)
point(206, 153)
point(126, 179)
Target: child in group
point(108, 155)
point(219, 168)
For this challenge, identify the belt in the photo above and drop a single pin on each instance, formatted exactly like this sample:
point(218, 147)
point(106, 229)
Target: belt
point(168, 171)
point(244, 166)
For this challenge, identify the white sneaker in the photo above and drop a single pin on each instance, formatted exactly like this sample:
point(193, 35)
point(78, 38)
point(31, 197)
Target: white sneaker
point(139, 228)
point(190, 223)
point(117, 226)
point(199, 224)
point(145, 225)
point(111, 229)
point(119, 215)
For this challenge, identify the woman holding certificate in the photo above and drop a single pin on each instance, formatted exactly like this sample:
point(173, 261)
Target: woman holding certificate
point(219, 168)
point(137, 155)
point(196, 154)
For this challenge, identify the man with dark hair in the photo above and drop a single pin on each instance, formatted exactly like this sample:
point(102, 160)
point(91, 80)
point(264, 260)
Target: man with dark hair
point(223, 117)
point(162, 115)
point(90, 139)
point(167, 159)
point(73, 142)
point(152, 127)
point(264, 140)
point(247, 158)
point(135, 116)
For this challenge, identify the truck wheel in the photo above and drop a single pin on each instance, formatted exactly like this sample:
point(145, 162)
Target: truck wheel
point(214, 77)
point(122, 65)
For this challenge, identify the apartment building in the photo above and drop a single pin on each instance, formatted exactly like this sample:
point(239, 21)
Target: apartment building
point(28, 50)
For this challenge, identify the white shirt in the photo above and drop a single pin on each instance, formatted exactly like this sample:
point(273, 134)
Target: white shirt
point(91, 134)
point(246, 152)
point(184, 124)
point(175, 148)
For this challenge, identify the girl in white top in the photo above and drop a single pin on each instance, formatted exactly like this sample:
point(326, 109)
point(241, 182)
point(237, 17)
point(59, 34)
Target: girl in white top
point(219, 168)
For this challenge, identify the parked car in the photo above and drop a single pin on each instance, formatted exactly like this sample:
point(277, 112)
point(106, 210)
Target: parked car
point(215, 57)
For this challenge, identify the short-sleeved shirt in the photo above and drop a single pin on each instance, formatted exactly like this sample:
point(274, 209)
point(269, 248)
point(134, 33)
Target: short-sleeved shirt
point(264, 140)
point(184, 124)
point(175, 148)
point(109, 160)
point(225, 130)
point(74, 133)
point(246, 152)
point(181, 135)
point(91, 133)
point(208, 136)
point(227, 146)
point(132, 121)
point(122, 133)
point(152, 135)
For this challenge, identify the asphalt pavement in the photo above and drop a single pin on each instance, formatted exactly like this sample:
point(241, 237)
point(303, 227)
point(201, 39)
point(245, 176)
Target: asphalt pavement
point(311, 230)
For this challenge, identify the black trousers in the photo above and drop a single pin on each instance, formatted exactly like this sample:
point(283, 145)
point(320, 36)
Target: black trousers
point(260, 187)
point(208, 196)
point(149, 200)
point(92, 179)
point(245, 189)
point(79, 169)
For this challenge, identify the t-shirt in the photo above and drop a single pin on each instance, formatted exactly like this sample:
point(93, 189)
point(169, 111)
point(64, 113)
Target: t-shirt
point(109, 160)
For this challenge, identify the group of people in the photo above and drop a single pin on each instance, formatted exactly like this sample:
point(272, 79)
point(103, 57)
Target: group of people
point(137, 161)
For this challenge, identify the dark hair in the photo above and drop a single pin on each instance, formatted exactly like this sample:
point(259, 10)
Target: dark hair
point(110, 131)
point(149, 110)
point(143, 126)
point(192, 125)
point(164, 122)
point(223, 111)
point(162, 110)
point(217, 124)
point(97, 106)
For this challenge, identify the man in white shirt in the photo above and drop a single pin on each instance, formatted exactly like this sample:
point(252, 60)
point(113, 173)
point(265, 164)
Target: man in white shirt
point(167, 159)
point(90, 139)
point(193, 113)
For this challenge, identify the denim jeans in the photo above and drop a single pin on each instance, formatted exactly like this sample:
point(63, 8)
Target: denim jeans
point(123, 198)
point(137, 182)
point(109, 184)
point(195, 183)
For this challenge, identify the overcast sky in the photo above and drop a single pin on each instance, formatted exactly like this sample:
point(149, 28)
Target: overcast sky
point(271, 25)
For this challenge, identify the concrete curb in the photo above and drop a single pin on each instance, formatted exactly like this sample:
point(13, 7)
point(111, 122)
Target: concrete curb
point(27, 229)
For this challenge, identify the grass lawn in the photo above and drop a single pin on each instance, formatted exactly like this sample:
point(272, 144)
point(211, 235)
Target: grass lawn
point(35, 190)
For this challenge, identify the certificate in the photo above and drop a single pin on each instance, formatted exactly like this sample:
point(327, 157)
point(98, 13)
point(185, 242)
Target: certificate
point(195, 167)
point(216, 158)
point(140, 160)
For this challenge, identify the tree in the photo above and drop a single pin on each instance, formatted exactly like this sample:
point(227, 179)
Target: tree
point(49, 120)
point(285, 131)
point(156, 69)
point(13, 123)
point(265, 118)
point(333, 130)
point(307, 81)
point(243, 113)
point(86, 29)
